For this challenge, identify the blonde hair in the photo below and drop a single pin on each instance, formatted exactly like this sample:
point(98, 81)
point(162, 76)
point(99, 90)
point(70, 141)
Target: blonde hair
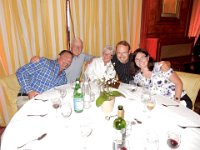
point(110, 49)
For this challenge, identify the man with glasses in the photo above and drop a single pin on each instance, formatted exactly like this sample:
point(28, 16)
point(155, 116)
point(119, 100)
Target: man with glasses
point(122, 62)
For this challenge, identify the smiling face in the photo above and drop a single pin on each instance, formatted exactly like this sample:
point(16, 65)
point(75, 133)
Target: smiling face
point(141, 60)
point(122, 53)
point(77, 47)
point(107, 56)
point(64, 60)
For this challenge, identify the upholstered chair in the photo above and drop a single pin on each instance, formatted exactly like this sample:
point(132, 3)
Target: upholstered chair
point(191, 84)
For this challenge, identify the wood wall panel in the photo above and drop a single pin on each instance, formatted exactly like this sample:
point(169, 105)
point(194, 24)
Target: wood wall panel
point(156, 28)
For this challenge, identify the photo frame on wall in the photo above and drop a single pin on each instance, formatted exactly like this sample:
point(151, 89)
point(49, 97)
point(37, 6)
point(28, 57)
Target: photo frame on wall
point(170, 8)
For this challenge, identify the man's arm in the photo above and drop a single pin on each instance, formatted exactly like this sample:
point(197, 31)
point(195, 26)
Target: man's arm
point(165, 65)
point(25, 73)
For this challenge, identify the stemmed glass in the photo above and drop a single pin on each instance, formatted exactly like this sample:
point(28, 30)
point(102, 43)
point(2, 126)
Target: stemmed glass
point(145, 96)
point(173, 139)
point(66, 110)
point(63, 93)
point(56, 103)
point(150, 104)
point(133, 86)
point(85, 131)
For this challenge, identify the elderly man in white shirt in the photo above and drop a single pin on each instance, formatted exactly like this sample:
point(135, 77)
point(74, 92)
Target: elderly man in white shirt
point(102, 67)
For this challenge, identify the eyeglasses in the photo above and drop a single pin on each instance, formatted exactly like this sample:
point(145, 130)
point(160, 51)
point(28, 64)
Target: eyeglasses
point(122, 53)
point(143, 58)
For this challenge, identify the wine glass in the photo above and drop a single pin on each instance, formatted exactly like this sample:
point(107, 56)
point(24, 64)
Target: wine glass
point(150, 104)
point(66, 110)
point(63, 93)
point(56, 103)
point(145, 96)
point(173, 139)
point(151, 140)
point(85, 131)
point(133, 86)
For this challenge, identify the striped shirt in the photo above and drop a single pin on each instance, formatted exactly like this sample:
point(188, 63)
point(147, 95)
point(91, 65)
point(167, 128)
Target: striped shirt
point(40, 76)
point(122, 69)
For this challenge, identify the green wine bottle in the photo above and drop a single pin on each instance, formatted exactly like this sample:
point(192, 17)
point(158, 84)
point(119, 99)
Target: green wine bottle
point(119, 125)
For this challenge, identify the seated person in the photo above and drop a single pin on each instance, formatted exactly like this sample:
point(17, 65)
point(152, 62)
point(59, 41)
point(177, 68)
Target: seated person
point(150, 74)
point(102, 67)
point(74, 70)
point(37, 77)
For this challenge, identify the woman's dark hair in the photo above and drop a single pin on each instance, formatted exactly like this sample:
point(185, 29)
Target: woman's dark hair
point(134, 67)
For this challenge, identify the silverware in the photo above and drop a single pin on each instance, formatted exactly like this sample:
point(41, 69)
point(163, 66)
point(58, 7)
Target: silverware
point(184, 127)
point(108, 117)
point(170, 105)
point(44, 100)
point(138, 121)
point(37, 115)
point(38, 138)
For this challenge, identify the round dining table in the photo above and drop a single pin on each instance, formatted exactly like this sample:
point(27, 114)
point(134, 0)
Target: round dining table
point(41, 127)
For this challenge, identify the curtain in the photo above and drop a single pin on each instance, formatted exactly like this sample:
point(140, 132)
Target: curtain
point(28, 28)
point(194, 29)
point(105, 22)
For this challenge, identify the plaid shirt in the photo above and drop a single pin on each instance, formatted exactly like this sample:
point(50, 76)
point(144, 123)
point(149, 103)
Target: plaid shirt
point(40, 76)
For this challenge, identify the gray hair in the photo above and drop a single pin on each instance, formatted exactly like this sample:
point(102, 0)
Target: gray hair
point(110, 49)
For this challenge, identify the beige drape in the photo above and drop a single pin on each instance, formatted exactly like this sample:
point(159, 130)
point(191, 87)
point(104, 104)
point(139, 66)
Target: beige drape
point(106, 22)
point(194, 29)
point(28, 28)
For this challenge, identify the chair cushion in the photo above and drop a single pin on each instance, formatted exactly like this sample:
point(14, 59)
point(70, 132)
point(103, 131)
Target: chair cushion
point(10, 88)
point(191, 84)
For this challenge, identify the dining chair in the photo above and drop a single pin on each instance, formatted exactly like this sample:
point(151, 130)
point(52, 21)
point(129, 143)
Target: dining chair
point(9, 87)
point(191, 84)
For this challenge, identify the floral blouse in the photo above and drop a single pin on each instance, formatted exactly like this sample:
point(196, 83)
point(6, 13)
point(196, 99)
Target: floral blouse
point(159, 82)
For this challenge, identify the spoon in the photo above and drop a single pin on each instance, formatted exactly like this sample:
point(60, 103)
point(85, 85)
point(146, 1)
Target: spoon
point(184, 127)
point(37, 115)
point(108, 117)
point(39, 138)
point(170, 105)
point(138, 121)
point(44, 100)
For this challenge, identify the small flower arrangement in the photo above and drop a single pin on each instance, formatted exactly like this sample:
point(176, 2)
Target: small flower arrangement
point(106, 93)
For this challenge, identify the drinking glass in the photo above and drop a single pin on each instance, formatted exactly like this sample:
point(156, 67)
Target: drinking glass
point(85, 131)
point(63, 93)
point(145, 96)
point(151, 141)
point(56, 103)
point(66, 110)
point(128, 133)
point(173, 139)
point(133, 86)
point(150, 104)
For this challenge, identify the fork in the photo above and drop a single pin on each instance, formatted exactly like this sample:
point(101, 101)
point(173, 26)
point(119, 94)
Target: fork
point(38, 138)
point(170, 105)
point(37, 115)
point(44, 100)
point(184, 127)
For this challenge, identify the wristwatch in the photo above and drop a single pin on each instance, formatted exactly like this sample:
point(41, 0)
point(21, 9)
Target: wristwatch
point(177, 99)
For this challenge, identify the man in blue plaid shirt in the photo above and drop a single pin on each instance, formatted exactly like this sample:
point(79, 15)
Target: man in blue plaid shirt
point(37, 77)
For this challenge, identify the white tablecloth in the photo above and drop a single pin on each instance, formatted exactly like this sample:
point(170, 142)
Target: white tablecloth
point(64, 134)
